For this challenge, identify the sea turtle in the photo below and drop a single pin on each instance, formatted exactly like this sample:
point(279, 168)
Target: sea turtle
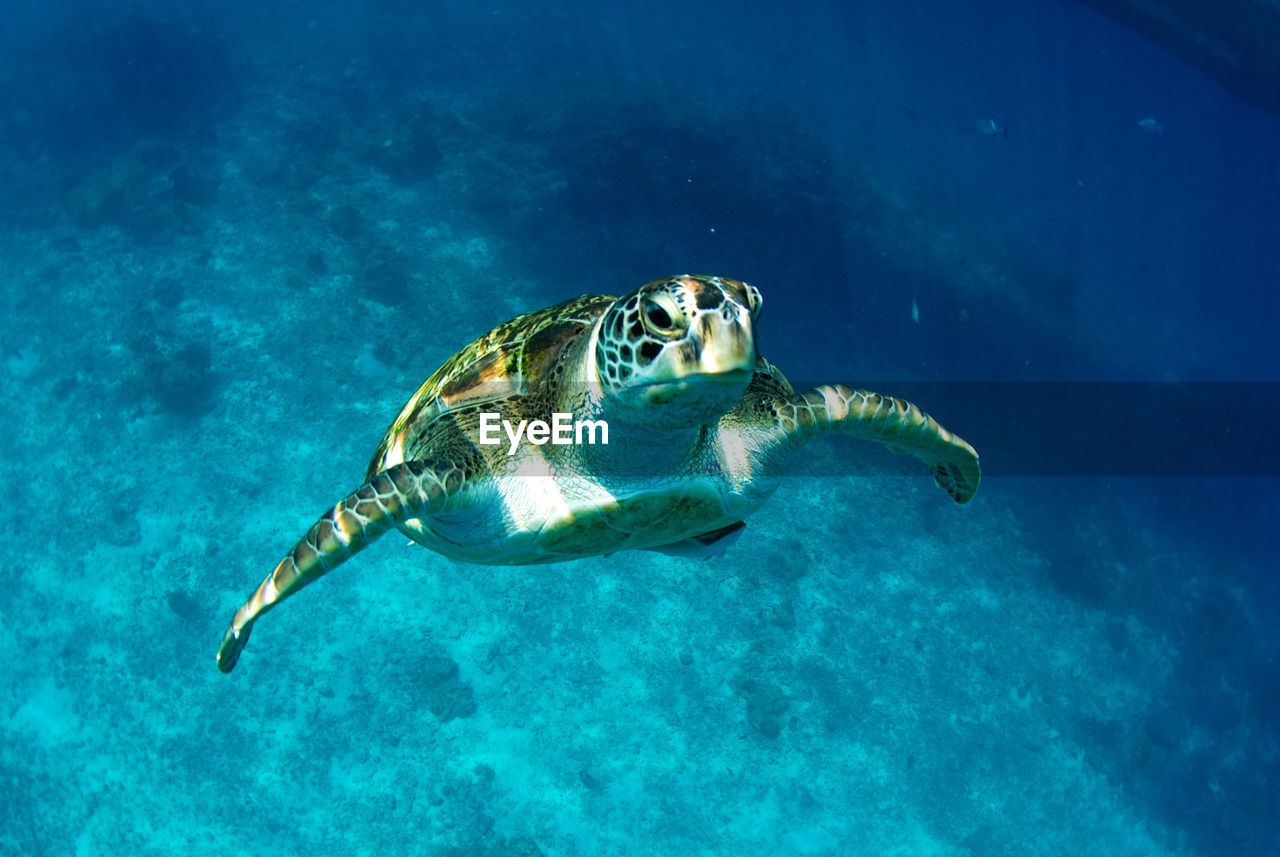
point(699, 429)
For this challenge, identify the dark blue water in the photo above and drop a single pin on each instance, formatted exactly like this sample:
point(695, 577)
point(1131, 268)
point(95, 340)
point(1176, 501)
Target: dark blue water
point(234, 239)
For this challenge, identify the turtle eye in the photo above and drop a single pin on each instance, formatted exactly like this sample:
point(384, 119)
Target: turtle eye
point(755, 301)
point(657, 316)
point(659, 319)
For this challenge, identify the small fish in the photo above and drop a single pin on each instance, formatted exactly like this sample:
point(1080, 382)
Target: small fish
point(987, 127)
point(915, 311)
point(1150, 125)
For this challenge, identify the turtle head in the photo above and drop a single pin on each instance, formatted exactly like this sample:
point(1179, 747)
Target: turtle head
point(680, 350)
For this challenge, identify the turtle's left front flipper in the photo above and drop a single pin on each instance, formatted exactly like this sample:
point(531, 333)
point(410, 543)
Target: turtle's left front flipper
point(410, 489)
point(898, 424)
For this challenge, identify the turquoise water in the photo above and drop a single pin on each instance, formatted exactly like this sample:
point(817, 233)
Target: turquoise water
point(234, 240)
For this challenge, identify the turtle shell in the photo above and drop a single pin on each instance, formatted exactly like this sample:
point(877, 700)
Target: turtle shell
point(513, 358)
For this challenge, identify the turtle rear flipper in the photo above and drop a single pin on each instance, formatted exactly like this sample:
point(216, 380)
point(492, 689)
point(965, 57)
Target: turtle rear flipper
point(899, 425)
point(411, 489)
point(705, 546)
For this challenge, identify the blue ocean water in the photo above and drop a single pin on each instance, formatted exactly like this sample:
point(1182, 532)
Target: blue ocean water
point(234, 239)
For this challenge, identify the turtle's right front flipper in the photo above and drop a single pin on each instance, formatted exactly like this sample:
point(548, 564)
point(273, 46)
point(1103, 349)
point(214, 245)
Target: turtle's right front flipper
point(411, 489)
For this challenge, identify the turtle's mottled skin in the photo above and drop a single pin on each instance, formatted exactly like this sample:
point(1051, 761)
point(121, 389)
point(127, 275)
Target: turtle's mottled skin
point(700, 429)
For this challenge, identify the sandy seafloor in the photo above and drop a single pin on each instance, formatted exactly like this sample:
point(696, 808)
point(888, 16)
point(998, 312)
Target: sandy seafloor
point(193, 369)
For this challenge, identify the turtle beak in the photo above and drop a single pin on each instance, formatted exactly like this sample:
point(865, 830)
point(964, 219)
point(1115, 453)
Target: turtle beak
point(710, 368)
point(726, 346)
